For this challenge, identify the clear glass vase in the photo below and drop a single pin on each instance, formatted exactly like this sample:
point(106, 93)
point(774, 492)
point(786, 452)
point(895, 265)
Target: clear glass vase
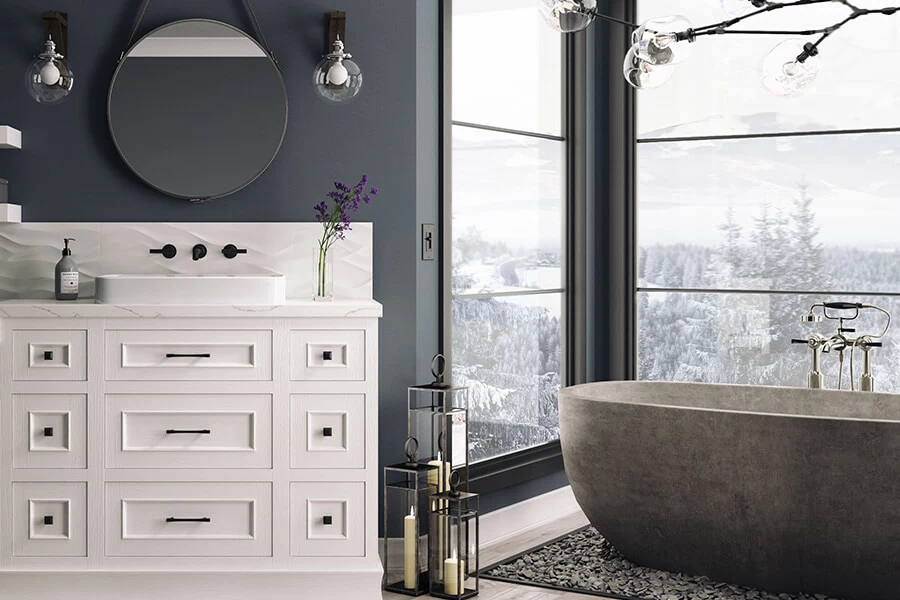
point(323, 276)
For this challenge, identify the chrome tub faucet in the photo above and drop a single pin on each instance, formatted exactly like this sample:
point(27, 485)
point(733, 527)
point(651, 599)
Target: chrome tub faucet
point(841, 342)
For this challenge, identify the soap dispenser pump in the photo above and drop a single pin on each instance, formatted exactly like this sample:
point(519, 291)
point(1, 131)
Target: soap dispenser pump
point(67, 275)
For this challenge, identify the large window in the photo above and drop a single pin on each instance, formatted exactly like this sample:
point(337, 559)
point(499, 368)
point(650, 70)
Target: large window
point(751, 207)
point(508, 215)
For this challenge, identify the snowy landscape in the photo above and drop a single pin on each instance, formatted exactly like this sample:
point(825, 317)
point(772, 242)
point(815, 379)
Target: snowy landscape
point(777, 213)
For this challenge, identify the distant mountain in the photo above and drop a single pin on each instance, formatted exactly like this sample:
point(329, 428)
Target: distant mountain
point(767, 122)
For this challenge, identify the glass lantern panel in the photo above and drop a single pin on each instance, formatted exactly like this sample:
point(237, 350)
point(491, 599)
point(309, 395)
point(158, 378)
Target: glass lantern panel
point(406, 506)
point(443, 436)
point(453, 546)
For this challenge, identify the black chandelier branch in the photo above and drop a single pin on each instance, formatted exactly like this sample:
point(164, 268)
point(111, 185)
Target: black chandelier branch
point(764, 6)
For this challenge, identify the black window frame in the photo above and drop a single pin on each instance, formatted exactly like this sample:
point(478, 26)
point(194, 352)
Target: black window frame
point(500, 472)
point(599, 130)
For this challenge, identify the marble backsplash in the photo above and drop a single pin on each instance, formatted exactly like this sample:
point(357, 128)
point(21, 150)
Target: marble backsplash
point(30, 251)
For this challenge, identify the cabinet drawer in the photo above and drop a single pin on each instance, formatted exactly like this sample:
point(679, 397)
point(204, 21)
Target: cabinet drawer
point(189, 519)
point(189, 355)
point(50, 519)
point(50, 431)
point(328, 519)
point(325, 355)
point(189, 431)
point(49, 355)
point(328, 431)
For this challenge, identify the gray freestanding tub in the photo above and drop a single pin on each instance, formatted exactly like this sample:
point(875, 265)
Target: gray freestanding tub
point(781, 489)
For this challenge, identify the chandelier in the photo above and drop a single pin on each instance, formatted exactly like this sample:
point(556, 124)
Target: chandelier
point(658, 45)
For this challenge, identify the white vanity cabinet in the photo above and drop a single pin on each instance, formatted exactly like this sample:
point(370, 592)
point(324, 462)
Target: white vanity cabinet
point(149, 453)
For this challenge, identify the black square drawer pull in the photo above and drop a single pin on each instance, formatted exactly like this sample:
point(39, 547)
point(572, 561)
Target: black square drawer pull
point(48, 432)
point(327, 432)
point(327, 355)
point(48, 520)
point(48, 355)
point(326, 520)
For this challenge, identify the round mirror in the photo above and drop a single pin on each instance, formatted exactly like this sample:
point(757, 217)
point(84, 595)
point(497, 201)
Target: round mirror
point(197, 109)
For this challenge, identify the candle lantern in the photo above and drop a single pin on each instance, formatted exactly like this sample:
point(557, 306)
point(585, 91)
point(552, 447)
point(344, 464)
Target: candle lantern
point(453, 559)
point(407, 493)
point(438, 417)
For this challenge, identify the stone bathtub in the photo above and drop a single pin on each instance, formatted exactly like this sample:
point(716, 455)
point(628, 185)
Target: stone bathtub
point(782, 489)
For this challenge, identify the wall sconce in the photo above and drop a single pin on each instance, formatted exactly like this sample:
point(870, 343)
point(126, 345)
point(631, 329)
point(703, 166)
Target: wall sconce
point(49, 79)
point(337, 79)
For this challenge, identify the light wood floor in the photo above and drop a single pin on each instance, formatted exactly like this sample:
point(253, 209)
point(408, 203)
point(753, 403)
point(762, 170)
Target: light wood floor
point(495, 590)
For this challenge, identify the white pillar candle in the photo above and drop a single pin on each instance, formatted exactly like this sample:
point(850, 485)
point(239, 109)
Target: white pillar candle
point(440, 479)
point(453, 575)
point(409, 549)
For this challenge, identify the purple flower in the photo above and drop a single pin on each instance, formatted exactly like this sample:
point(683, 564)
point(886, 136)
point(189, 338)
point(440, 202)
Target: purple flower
point(345, 200)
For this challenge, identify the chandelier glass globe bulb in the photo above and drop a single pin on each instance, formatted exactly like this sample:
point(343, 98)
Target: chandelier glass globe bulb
point(49, 79)
point(663, 41)
point(568, 16)
point(738, 8)
point(643, 74)
point(783, 74)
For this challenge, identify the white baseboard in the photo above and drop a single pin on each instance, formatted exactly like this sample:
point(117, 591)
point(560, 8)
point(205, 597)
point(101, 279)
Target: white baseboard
point(504, 523)
point(529, 514)
point(184, 585)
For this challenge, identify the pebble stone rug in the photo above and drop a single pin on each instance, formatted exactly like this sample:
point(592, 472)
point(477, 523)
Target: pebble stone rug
point(584, 562)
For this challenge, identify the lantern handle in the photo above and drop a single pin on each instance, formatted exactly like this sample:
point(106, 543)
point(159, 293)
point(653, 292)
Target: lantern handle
point(438, 365)
point(454, 481)
point(411, 448)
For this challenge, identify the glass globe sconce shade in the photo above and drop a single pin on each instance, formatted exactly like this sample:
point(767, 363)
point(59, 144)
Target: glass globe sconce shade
point(664, 41)
point(568, 16)
point(337, 79)
point(49, 79)
point(643, 74)
point(784, 74)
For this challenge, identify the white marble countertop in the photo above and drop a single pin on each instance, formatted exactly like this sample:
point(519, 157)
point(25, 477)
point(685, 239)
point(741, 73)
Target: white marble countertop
point(22, 309)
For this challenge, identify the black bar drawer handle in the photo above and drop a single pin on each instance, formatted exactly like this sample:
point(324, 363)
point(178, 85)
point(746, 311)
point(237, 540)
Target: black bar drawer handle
point(326, 520)
point(327, 355)
point(327, 432)
point(188, 520)
point(48, 432)
point(48, 520)
point(174, 355)
point(48, 355)
point(203, 431)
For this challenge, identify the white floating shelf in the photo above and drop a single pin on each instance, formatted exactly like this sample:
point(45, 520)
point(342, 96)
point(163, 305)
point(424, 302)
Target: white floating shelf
point(10, 213)
point(10, 138)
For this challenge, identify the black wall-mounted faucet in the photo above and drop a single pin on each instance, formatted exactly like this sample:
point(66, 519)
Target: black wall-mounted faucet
point(230, 251)
point(198, 252)
point(168, 251)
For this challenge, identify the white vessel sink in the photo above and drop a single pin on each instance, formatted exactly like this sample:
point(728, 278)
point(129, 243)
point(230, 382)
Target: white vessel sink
point(261, 289)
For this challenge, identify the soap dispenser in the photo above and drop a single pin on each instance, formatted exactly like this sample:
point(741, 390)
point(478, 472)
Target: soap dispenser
point(66, 275)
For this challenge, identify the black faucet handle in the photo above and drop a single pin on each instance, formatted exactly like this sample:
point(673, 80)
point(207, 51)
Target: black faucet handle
point(230, 251)
point(168, 251)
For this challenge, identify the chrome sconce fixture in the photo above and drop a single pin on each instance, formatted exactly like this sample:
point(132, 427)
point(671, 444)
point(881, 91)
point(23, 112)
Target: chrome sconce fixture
point(337, 79)
point(660, 44)
point(49, 80)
